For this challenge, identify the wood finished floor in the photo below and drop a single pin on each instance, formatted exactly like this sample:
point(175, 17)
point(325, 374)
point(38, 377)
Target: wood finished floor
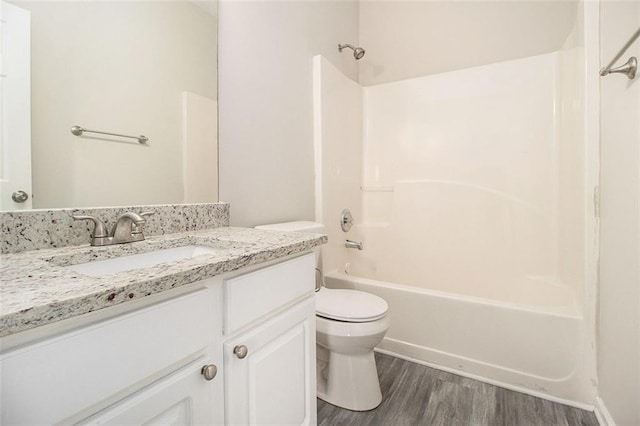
point(413, 394)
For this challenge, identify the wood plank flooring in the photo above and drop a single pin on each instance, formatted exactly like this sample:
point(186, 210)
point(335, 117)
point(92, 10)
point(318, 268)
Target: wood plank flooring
point(413, 394)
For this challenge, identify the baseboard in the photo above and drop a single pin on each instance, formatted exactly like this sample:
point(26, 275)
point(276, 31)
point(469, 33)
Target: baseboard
point(602, 414)
point(498, 383)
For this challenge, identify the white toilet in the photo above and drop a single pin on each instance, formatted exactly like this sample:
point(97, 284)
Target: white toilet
point(349, 324)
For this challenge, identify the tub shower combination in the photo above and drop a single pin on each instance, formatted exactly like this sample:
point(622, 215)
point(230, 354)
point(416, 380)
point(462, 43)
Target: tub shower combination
point(462, 187)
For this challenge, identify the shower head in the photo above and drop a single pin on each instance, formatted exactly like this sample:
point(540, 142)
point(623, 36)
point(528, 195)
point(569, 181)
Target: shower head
point(358, 52)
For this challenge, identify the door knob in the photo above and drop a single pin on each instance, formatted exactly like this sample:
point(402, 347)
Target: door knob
point(241, 351)
point(209, 371)
point(19, 196)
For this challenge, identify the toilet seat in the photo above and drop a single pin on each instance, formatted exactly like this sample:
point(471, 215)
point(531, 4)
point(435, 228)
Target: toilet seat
point(349, 305)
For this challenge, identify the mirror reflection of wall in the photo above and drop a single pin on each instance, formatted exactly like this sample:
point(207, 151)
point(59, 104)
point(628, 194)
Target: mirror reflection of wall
point(134, 68)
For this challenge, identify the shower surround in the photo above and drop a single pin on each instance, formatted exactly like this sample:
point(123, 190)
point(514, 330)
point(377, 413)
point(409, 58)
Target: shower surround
point(468, 191)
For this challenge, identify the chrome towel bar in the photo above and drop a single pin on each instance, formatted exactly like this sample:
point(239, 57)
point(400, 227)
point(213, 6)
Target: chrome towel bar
point(630, 67)
point(78, 131)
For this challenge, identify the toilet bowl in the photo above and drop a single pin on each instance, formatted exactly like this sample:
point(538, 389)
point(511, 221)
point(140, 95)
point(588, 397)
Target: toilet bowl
point(349, 324)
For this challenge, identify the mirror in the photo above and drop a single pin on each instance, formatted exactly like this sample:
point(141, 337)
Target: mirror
point(131, 68)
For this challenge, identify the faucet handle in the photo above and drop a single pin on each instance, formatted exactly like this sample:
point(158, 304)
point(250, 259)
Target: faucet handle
point(99, 230)
point(137, 228)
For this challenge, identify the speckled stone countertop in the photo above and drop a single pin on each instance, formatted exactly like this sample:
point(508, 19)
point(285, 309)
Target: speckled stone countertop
point(36, 288)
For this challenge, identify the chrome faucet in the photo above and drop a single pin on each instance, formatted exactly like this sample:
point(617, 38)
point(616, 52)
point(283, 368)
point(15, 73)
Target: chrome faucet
point(127, 229)
point(353, 244)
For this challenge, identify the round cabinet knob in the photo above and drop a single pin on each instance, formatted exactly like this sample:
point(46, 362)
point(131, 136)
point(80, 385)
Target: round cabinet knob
point(241, 351)
point(209, 371)
point(19, 196)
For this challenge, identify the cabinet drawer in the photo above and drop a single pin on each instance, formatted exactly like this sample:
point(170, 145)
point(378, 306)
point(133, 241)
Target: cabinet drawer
point(252, 296)
point(103, 361)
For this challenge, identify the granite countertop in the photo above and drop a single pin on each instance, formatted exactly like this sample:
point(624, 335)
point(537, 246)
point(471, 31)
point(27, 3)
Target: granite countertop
point(36, 288)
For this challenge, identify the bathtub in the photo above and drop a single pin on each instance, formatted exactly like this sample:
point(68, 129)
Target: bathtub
point(534, 348)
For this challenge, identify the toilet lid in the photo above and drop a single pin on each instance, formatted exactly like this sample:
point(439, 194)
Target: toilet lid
point(349, 305)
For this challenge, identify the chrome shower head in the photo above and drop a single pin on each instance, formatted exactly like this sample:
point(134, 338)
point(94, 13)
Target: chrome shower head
point(358, 52)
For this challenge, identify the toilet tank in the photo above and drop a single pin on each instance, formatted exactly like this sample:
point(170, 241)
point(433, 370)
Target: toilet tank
point(299, 226)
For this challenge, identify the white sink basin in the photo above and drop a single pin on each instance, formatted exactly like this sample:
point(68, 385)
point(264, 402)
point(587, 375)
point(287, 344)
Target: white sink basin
point(100, 268)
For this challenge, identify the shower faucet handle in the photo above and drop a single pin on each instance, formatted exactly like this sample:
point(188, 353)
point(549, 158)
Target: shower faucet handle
point(346, 220)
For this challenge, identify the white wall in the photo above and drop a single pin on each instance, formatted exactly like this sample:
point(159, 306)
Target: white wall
point(338, 145)
point(571, 158)
point(119, 67)
point(406, 39)
point(266, 101)
point(619, 328)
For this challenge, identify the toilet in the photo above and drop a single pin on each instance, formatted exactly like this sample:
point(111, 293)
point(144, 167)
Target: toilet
point(349, 324)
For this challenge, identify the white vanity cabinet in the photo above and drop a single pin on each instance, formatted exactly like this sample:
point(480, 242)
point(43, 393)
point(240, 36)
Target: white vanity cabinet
point(146, 366)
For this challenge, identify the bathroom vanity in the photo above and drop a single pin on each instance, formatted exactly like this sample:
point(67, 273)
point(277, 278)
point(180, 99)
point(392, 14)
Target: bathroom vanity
point(222, 338)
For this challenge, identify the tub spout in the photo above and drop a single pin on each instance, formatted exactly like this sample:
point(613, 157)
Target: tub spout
point(353, 244)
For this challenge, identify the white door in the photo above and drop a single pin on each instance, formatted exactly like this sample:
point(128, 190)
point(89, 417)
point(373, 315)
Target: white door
point(181, 399)
point(274, 384)
point(15, 111)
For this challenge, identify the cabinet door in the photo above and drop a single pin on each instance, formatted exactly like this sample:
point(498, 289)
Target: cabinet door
point(275, 382)
point(183, 398)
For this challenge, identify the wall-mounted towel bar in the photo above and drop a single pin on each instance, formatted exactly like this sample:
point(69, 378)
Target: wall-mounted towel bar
point(78, 131)
point(630, 67)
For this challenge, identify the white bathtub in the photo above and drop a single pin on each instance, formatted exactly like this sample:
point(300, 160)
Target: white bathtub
point(537, 349)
